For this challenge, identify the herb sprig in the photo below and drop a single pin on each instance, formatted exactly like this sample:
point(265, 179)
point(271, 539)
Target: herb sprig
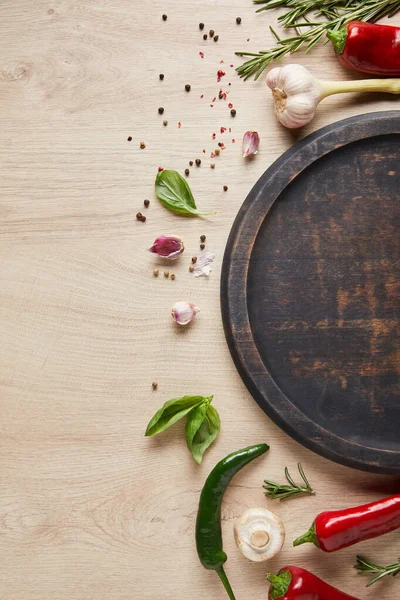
point(318, 17)
point(282, 491)
point(365, 566)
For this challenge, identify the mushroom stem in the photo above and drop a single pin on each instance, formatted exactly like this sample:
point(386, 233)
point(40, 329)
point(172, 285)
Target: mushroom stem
point(259, 539)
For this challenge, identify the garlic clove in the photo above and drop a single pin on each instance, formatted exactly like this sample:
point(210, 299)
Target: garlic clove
point(203, 264)
point(259, 534)
point(251, 141)
point(168, 246)
point(296, 94)
point(183, 312)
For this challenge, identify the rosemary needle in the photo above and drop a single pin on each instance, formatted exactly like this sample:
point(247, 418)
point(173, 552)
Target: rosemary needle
point(365, 566)
point(326, 15)
point(283, 491)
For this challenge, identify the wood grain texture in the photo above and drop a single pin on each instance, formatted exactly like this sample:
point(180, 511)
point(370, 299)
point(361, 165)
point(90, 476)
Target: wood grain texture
point(89, 508)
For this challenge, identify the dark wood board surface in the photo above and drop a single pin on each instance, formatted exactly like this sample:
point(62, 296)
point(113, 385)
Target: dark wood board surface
point(310, 292)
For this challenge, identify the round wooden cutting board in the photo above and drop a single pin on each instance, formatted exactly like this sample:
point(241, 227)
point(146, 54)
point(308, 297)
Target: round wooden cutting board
point(310, 292)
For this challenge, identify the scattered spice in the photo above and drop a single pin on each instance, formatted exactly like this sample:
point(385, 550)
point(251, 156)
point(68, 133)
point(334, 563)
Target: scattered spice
point(139, 216)
point(248, 39)
point(220, 74)
point(165, 122)
point(190, 163)
point(179, 124)
point(160, 110)
point(238, 20)
point(166, 274)
point(214, 99)
point(205, 36)
point(204, 151)
point(230, 105)
point(194, 259)
point(202, 96)
point(216, 38)
point(202, 246)
point(201, 26)
point(156, 272)
point(160, 169)
point(233, 140)
point(233, 112)
point(198, 162)
point(201, 54)
point(187, 172)
point(130, 138)
point(230, 129)
point(221, 144)
point(229, 84)
point(211, 33)
point(217, 151)
point(161, 76)
point(225, 188)
point(231, 66)
point(164, 17)
point(172, 276)
point(212, 155)
point(154, 385)
point(143, 219)
point(222, 129)
point(142, 145)
point(203, 238)
point(146, 203)
point(221, 62)
point(212, 165)
point(191, 268)
point(187, 87)
point(214, 135)
point(211, 105)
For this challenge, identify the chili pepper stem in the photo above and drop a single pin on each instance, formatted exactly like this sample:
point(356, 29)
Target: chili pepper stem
point(387, 86)
point(310, 536)
point(338, 39)
point(279, 584)
point(226, 584)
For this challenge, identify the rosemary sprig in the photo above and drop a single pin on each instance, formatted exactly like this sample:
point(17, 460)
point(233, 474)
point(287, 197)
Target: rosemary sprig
point(282, 492)
point(327, 15)
point(365, 566)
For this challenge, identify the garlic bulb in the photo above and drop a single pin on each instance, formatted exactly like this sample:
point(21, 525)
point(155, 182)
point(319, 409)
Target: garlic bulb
point(183, 312)
point(259, 534)
point(297, 92)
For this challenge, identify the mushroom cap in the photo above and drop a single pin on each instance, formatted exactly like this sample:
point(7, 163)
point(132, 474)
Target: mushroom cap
point(259, 534)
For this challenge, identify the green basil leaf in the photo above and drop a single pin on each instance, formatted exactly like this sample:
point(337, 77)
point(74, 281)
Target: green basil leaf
point(202, 428)
point(174, 192)
point(171, 412)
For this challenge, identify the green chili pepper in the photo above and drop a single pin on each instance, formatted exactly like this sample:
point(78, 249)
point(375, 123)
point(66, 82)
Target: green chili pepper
point(208, 524)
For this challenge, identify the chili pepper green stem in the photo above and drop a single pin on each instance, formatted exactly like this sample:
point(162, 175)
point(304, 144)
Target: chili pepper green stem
point(387, 86)
point(309, 537)
point(225, 581)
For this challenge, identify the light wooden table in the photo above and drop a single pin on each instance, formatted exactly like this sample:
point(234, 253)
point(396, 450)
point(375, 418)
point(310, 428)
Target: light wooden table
point(89, 508)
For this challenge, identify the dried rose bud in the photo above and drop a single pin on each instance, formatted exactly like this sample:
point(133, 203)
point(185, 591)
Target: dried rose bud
point(183, 312)
point(251, 140)
point(168, 246)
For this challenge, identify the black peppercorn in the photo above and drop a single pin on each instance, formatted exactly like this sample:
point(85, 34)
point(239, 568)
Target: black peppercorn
point(146, 203)
point(225, 188)
point(238, 20)
point(187, 87)
point(211, 33)
point(190, 163)
point(160, 110)
point(233, 112)
point(201, 26)
point(216, 38)
point(165, 123)
point(187, 172)
point(130, 138)
point(194, 259)
point(154, 385)
point(139, 216)
point(143, 219)
point(198, 162)
point(203, 238)
point(164, 17)
point(205, 36)
point(161, 76)
point(202, 246)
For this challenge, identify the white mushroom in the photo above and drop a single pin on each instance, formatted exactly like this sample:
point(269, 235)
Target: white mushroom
point(259, 534)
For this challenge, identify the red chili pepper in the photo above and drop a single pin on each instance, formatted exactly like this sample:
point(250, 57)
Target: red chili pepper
point(368, 48)
point(295, 583)
point(337, 529)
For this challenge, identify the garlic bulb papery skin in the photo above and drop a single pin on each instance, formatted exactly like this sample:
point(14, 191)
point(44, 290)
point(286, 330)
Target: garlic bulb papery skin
point(296, 94)
point(259, 534)
point(183, 312)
